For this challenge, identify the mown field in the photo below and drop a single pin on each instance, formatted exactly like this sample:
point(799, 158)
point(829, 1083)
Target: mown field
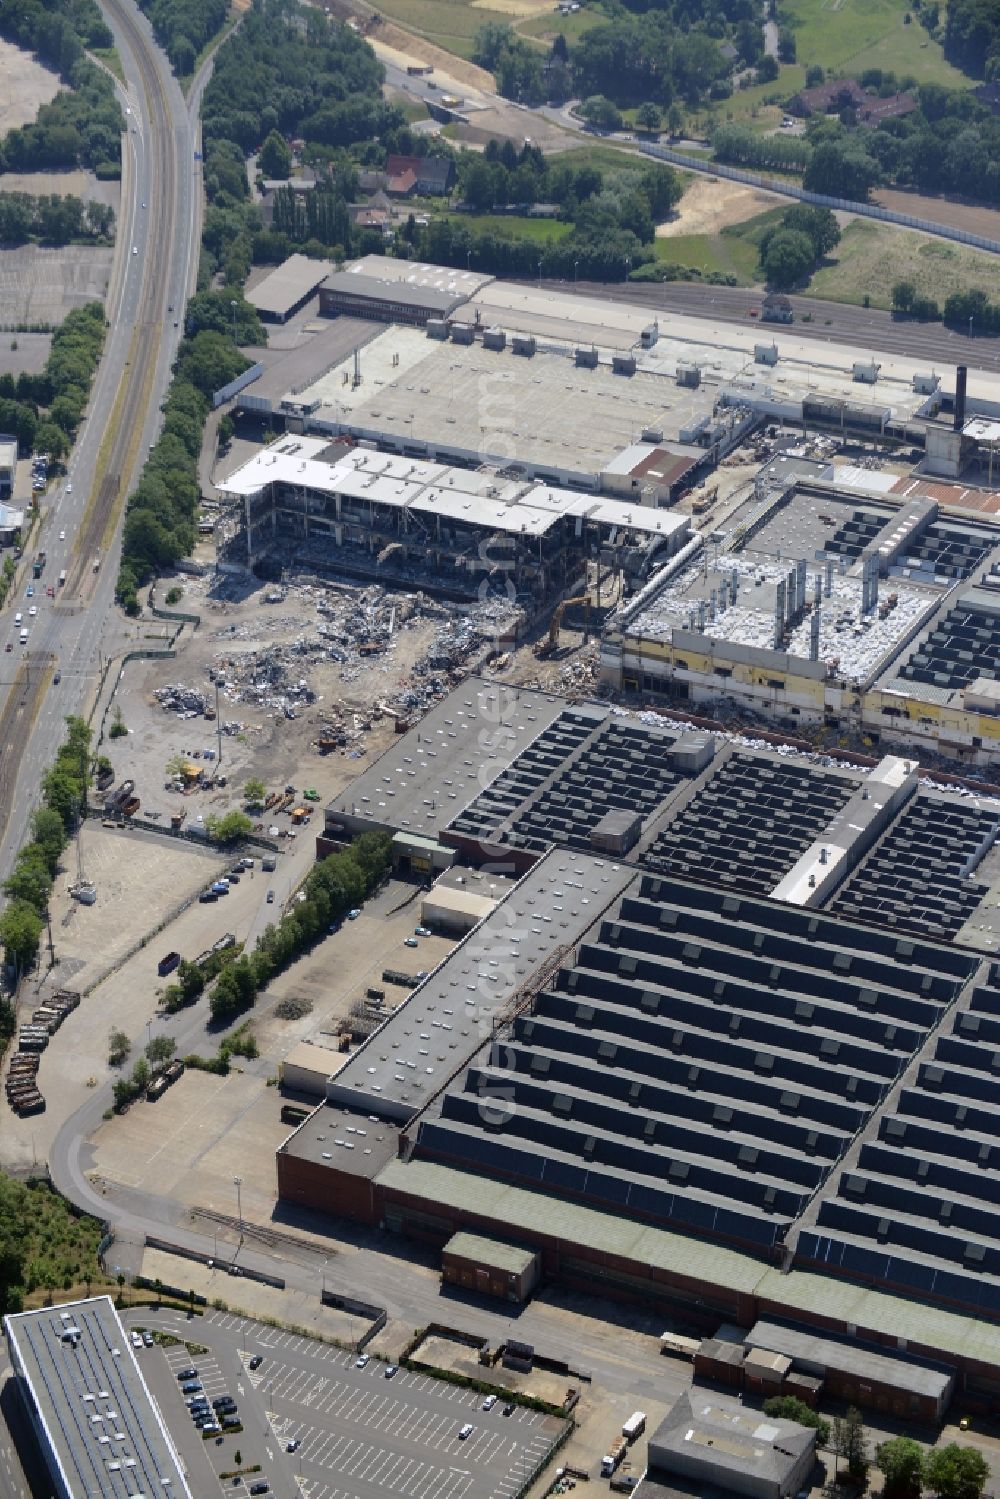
point(733, 251)
point(872, 257)
point(852, 35)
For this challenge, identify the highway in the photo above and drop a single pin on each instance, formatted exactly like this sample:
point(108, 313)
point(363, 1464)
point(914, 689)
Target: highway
point(155, 267)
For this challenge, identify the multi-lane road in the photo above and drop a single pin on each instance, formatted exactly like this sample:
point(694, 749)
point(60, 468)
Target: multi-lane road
point(155, 264)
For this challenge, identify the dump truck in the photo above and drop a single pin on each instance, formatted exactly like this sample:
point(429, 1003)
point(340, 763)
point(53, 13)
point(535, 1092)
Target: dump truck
point(161, 1082)
point(611, 1459)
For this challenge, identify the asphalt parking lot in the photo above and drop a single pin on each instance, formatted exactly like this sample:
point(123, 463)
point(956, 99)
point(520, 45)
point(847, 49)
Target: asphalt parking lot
point(362, 1435)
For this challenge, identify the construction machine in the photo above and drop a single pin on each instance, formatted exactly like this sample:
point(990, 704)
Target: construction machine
point(547, 647)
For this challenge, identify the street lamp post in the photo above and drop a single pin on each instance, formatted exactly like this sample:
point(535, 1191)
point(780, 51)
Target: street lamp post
point(233, 306)
point(238, 1183)
point(970, 326)
point(539, 273)
point(576, 267)
point(628, 266)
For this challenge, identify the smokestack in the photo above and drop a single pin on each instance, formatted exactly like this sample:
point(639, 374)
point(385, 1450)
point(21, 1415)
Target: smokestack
point(961, 379)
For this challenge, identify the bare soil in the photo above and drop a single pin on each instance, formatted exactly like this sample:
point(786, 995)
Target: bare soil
point(24, 87)
point(710, 204)
point(404, 47)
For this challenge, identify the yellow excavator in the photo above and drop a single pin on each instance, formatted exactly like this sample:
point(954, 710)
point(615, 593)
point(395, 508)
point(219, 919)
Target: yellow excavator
point(547, 647)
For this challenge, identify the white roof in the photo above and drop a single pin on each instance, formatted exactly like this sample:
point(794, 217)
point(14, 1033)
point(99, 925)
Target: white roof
point(435, 489)
point(982, 429)
point(625, 461)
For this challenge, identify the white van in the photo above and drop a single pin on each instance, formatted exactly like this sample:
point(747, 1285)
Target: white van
point(18, 617)
point(24, 637)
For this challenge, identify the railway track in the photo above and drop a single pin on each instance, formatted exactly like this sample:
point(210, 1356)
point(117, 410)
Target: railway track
point(120, 449)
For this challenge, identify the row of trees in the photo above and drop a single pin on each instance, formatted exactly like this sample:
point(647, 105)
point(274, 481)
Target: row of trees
point(185, 27)
point(64, 800)
point(43, 411)
point(57, 34)
point(970, 310)
point(157, 1054)
point(44, 1242)
point(972, 36)
point(53, 219)
point(161, 518)
point(335, 885)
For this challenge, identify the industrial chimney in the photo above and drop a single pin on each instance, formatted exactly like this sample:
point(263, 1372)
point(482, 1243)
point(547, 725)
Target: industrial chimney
point(961, 377)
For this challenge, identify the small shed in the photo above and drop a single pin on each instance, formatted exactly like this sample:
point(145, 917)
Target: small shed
point(307, 1067)
point(490, 1267)
point(454, 911)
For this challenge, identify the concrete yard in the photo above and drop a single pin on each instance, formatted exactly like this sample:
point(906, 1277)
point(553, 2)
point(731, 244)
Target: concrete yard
point(42, 286)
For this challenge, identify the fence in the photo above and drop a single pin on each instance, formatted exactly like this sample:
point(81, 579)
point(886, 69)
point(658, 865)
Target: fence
point(789, 190)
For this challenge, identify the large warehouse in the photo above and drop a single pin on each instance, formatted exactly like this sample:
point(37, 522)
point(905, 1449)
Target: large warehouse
point(99, 1429)
point(713, 1048)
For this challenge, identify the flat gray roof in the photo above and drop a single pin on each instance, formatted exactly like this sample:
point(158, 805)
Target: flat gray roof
point(105, 1433)
point(451, 1015)
point(509, 1257)
point(429, 298)
point(430, 775)
point(850, 1358)
point(288, 284)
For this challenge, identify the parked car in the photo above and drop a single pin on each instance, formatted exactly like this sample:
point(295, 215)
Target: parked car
point(362, 1362)
point(187, 1374)
point(508, 1409)
point(354, 914)
point(147, 1338)
point(270, 897)
point(466, 1431)
point(410, 942)
point(489, 1402)
point(391, 1371)
point(136, 1340)
point(256, 1361)
point(293, 1445)
point(423, 931)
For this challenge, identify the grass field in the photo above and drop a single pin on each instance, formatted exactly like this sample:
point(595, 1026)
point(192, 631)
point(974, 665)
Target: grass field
point(546, 27)
point(851, 35)
point(872, 257)
point(452, 24)
point(543, 231)
point(733, 251)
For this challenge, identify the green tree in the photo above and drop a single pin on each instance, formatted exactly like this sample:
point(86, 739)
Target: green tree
point(820, 224)
point(141, 1073)
point(790, 1408)
point(49, 835)
point(955, 1472)
point(850, 1441)
point(786, 45)
point(788, 258)
point(601, 113)
point(902, 1462)
point(648, 117)
point(275, 159)
point(119, 1047)
point(159, 1050)
point(254, 792)
point(31, 879)
point(228, 828)
point(20, 933)
point(767, 69)
point(904, 295)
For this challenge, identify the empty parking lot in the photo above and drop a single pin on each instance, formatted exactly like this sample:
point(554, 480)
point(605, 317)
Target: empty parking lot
point(362, 1435)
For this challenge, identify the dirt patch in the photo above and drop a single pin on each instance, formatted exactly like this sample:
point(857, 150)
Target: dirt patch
point(710, 204)
point(967, 216)
point(42, 286)
point(523, 9)
point(24, 87)
point(78, 182)
point(403, 47)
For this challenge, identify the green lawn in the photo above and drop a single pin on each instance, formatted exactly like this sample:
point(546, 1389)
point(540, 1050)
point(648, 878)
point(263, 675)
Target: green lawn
point(851, 35)
point(872, 257)
point(547, 27)
point(734, 251)
point(512, 226)
point(451, 24)
point(109, 57)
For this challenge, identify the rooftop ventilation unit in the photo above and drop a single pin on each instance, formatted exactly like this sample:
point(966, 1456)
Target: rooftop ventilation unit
point(495, 339)
point(623, 364)
point(689, 375)
point(523, 344)
point(652, 434)
point(865, 372)
point(586, 358)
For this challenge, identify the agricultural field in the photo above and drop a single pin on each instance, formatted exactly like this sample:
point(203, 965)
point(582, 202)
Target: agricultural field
point(872, 257)
point(451, 24)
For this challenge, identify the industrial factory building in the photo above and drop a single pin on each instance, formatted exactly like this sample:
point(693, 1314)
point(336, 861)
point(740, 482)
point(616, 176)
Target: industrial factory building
point(406, 520)
point(718, 1048)
point(98, 1427)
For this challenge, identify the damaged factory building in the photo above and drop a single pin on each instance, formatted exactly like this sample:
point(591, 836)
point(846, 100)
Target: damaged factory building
point(366, 514)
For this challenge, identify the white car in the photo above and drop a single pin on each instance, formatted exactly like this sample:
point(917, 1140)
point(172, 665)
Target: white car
point(69, 489)
point(62, 535)
point(32, 611)
point(136, 1340)
point(18, 617)
point(489, 1402)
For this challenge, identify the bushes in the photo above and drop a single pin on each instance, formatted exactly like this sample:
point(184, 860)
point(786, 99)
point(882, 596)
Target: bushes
point(62, 389)
point(789, 1408)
